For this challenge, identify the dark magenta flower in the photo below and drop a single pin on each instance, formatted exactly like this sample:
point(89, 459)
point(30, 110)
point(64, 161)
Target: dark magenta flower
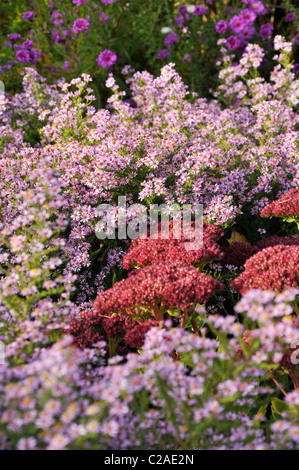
point(80, 25)
point(266, 31)
point(14, 37)
point(180, 20)
point(29, 15)
point(232, 43)
point(199, 10)
point(237, 24)
point(103, 17)
point(28, 44)
point(295, 68)
point(247, 32)
point(34, 56)
point(80, 2)
point(257, 7)
point(163, 54)
point(22, 55)
point(182, 9)
point(248, 15)
point(290, 17)
point(221, 26)
point(171, 39)
point(106, 58)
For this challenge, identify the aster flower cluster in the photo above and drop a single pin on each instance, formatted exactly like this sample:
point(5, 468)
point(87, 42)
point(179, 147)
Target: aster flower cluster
point(31, 248)
point(65, 398)
point(242, 82)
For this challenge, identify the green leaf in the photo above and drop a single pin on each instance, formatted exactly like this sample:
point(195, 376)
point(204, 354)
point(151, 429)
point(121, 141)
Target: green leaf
point(279, 407)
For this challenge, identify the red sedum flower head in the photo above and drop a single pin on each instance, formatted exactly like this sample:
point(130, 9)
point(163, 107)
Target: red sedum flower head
point(274, 268)
point(144, 252)
point(287, 206)
point(156, 288)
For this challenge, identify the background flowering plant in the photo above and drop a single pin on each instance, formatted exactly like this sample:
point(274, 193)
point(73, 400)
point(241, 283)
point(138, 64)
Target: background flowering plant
point(66, 38)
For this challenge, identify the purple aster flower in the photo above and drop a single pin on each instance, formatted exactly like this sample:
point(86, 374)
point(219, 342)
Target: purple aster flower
point(248, 15)
point(237, 24)
point(180, 20)
point(248, 32)
point(295, 68)
point(163, 54)
point(34, 56)
point(232, 43)
point(28, 15)
point(131, 102)
point(290, 17)
point(106, 58)
point(186, 58)
point(182, 9)
point(57, 37)
point(80, 2)
point(103, 17)
point(221, 27)
point(22, 55)
point(108, 2)
point(199, 10)
point(14, 37)
point(296, 39)
point(28, 44)
point(66, 65)
point(80, 25)
point(266, 31)
point(171, 39)
point(257, 7)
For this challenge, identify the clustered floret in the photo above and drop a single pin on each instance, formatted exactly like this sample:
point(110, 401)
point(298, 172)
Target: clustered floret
point(275, 267)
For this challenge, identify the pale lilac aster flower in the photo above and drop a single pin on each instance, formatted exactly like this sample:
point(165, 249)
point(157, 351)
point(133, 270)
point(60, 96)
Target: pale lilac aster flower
point(27, 443)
